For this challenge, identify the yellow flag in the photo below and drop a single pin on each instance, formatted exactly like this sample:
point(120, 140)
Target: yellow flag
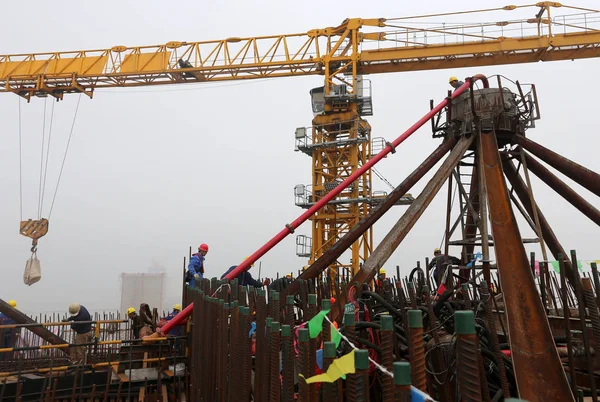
point(339, 367)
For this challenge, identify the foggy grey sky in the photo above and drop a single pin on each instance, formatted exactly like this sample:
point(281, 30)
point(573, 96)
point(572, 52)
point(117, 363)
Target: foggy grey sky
point(152, 171)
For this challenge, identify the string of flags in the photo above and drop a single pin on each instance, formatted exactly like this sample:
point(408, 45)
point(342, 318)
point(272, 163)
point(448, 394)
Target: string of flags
point(345, 364)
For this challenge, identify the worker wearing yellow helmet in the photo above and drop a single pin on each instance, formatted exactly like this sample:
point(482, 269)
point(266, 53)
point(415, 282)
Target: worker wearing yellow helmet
point(137, 323)
point(455, 82)
point(178, 330)
point(8, 336)
point(381, 278)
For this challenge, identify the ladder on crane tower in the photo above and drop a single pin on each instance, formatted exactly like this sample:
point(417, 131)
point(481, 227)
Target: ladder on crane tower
point(468, 195)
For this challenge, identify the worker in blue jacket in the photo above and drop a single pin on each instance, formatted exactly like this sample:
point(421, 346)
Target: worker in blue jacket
point(195, 270)
point(245, 278)
point(178, 330)
point(8, 336)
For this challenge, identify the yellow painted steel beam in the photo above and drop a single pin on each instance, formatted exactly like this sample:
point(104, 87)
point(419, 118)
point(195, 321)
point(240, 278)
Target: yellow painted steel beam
point(339, 53)
point(491, 52)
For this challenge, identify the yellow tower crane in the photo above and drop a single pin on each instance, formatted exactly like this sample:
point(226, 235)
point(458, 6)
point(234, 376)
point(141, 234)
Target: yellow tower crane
point(339, 141)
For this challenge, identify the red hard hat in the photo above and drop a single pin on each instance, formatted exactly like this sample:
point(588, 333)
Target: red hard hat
point(203, 247)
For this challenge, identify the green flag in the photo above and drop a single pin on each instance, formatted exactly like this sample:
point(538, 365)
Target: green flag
point(315, 325)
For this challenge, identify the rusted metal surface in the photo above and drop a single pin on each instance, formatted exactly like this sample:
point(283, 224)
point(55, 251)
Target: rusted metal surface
point(590, 304)
point(312, 349)
point(330, 389)
point(361, 364)
point(539, 372)
point(303, 394)
point(388, 337)
point(584, 333)
point(563, 189)
point(491, 324)
point(275, 383)
point(566, 313)
point(468, 363)
point(472, 222)
point(417, 349)
point(578, 173)
point(261, 317)
point(287, 364)
point(21, 318)
point(550, 238)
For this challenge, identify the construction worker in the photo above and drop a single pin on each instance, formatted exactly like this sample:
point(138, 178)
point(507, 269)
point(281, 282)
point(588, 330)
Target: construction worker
point(83, 331)
point(178, 330)
point(245, 278)
point(196, 266)
point(437, 261)
point(455, 83)
point(381, 278)
point(8, 336)
point(137, 323)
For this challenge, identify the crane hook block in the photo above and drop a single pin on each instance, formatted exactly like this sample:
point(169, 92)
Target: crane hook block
point(34, 229)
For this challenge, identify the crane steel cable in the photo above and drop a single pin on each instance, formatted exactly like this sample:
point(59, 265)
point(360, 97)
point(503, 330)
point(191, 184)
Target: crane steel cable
point(383, 179)
point(47, 157)
point(65, 156)
point(39, 208)
point(20, 163)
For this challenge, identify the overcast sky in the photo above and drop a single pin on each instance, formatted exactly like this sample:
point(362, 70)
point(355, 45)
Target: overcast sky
point(152, 171)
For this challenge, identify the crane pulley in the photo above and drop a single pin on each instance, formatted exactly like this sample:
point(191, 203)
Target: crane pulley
point(34, 229)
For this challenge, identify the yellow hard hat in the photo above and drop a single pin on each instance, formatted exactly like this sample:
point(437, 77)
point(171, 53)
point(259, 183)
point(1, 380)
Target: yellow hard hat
point(382, 271)
point(453, 78)
point(177, 307)
point(130, 310)
point(247, 258)
point(436, 250)
point(290, 275)
point(12, 303)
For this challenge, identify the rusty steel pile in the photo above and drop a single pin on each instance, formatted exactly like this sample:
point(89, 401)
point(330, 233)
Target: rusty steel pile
point(452, 346)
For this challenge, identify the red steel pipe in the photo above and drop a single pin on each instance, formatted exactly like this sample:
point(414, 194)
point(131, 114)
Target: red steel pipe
point(244, 265)
point(178, 319)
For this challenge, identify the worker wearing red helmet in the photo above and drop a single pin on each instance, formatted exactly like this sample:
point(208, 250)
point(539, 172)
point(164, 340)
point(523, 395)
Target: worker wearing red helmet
point(196, 266)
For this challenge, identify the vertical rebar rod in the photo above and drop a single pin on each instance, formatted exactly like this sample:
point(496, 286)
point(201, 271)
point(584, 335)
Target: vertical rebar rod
point(416, 349)
point(303, 395)
point(275, 383)
point(312, 349)
point(467, 356)
point(288, 364)
point(388, 336)
point(361, 365)
point(582, 320)
point(402, 382)
point(329, 389)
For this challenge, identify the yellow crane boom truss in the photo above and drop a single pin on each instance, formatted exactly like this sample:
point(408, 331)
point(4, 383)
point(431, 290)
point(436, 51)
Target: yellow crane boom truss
point(338, 53)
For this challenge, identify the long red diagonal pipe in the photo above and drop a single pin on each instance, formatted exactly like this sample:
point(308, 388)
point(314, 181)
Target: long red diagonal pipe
point(289, 228)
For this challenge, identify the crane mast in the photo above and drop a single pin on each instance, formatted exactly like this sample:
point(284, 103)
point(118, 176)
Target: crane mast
point(340, 139)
